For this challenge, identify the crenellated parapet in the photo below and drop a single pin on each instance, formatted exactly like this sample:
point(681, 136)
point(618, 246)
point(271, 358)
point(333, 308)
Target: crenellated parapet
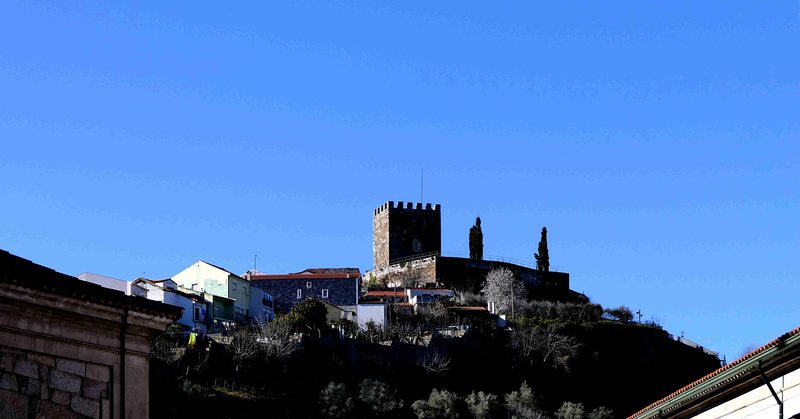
point(409, 206)
point(405, 229)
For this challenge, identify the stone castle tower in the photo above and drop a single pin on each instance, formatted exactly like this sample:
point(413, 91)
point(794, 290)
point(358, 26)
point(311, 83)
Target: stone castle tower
point(399, 232)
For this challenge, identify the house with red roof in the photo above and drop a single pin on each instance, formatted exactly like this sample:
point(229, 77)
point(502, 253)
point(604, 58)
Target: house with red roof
point(340, 287)
point(764, 383)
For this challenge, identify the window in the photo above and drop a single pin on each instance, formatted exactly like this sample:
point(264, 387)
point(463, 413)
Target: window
point(197, 313)
point(299, 293)
point(234, 285)
point(308, 284)
point(324, 293)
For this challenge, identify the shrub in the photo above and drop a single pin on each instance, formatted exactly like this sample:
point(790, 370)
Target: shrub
point(379, 397)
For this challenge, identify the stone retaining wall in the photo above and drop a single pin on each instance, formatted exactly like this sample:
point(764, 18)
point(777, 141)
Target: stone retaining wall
point(35, 385)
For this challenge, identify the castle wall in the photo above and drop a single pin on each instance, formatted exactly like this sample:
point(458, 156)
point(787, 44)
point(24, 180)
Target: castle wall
point(400, 231)
point(425, 267)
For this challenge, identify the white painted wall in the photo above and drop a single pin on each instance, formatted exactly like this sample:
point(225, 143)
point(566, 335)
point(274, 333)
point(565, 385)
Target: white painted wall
point(759, 403)
point(371, 312)
point(107, 282)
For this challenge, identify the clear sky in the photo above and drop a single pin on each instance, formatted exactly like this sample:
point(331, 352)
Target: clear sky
point(658, 142)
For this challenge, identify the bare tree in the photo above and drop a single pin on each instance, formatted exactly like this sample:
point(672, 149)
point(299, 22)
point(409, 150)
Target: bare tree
point(243, 347)
point(275, 339)
point(412, 278)
point(546, 343)
point(435, 362)
point(503, 291)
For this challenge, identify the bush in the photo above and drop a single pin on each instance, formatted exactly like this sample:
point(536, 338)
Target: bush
point(601, 412)
point(309, 315)
point(379, 397)
point(335, 401)
point(523, 403)
point(620, 314)
point(483, 406)
point(440, 404)
point(571, 410)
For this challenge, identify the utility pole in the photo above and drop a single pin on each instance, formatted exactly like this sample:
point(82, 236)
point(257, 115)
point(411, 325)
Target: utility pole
point(640, 316)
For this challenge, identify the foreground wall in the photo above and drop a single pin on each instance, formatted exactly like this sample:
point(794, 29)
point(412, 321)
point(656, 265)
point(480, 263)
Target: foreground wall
point(72, 349)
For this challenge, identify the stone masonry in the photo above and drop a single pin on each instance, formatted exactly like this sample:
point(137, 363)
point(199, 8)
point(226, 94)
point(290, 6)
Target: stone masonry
point(35, 385)
point(404, 231)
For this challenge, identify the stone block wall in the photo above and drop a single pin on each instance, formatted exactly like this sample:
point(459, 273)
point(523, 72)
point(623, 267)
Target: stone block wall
point(424, 267)
point(405, 230)
point(36, 385)
point(342, 292)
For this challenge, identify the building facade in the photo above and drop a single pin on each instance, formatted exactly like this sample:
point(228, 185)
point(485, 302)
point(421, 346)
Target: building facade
point(71, 348)
point(764, 384)
point(210, 279)
point(332, 286)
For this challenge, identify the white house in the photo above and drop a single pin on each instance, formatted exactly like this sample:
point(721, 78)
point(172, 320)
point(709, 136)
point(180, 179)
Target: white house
point(371, 311)
point(426, 295)
point(196, 314)
point(107, 282)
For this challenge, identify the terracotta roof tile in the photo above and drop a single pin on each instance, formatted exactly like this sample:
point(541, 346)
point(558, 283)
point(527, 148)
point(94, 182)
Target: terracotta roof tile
point(715, 373)
point(303, 276)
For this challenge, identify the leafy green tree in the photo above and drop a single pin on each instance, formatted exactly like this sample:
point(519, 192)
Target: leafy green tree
point(476, 240)
point(440, 404)
point(309, 315)
point(504, 291)
point(570, 410)
point(483, 405)
point(379, 397)
point(601, 412)
point(543, 257)
point(336, 402)
point(523, 403)
point(621, 314)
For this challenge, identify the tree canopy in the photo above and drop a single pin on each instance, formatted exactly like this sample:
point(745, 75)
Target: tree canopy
point(503, 290)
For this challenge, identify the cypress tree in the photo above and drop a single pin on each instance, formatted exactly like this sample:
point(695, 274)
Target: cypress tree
point(543, 257)
point(476, 240)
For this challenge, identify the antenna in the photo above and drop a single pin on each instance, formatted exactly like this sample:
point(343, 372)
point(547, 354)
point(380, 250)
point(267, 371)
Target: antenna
point(255, 260)
point(421, 182)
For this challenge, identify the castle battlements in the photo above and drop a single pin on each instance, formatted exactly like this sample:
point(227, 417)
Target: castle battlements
point(409, 206)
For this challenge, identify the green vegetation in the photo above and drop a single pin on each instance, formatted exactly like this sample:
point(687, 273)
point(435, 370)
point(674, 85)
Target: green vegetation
point(427, 363)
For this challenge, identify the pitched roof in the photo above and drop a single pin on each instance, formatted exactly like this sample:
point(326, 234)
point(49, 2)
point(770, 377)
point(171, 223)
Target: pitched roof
point(303, 276)
point(21, 272)
point(157, 283)
point(741, 362)
point(331, 271)
point(386, 293)
point(215, 266)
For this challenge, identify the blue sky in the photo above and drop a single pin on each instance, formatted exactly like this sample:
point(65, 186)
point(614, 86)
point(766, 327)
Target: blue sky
point(657, 142)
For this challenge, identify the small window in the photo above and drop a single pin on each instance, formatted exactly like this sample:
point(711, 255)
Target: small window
point(324, 293)
point(234, 285)
point(299, 293)
point(308, 284)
